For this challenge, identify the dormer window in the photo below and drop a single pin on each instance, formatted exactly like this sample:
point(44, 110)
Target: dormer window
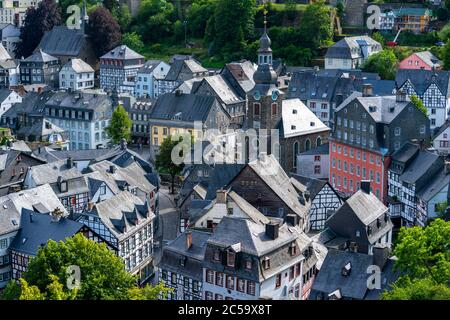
point(216, 256)
point(266, 263)
point(369, 230)
point(292, 249)
point(63, 186)
point(386, 217)
point(182, 261)
point(231, 258)
point(347, 269)
point(248, 264)
point(378, 223)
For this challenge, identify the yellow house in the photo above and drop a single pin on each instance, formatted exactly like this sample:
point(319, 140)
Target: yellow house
point(179, 113)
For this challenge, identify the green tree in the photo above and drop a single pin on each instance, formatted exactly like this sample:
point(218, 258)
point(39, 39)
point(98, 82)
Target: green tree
point(123, 16)
point(340, 9)
point(133, 41)
point(197, 16)
point(384, 63)
point(154, 19)
point(103, 276)
point(424, 259)
point(446, 55)
point(164, 159)
point(419, 104)
point(232, 25)
point(378, 37)
point(315, 25)
point(423, 252)
point(421, 289)
point(441, 209)
point(120, 126)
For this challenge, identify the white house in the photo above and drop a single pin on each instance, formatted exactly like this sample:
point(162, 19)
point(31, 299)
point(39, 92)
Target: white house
point(351, 52)
point(441, 140)
point(431, 86)
point(76, 75)
point(280, 264)
point(11, 207)
point(315, 163)
point(13, 11)
point(7, 99)
point(147, 77)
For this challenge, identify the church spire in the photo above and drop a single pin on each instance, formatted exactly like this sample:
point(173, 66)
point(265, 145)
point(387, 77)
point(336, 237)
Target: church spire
point(265, 52)
point(84, 18)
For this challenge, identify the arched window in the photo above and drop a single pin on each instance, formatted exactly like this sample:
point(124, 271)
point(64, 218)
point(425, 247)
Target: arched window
point(307, 145)
point(318, 141)
point(295, 153)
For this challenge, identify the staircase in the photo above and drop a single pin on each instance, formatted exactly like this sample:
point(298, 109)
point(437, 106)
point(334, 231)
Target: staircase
point(355, 13)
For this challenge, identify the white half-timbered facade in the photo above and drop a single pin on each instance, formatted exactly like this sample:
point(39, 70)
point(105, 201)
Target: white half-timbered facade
point(432, 88)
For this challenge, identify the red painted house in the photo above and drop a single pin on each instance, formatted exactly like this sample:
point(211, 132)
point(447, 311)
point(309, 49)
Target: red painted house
point(367, 129)
point(421, 60)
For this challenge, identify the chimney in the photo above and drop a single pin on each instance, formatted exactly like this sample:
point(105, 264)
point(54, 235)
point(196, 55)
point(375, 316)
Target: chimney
point(400, 96)
point(365, 186)
point(188, 239)
point(178, 92)
point(292, 220)
point(69, 163)
point(447, 167)
point(90, 205)
point(56, 215)
point(221, 196)
point(367, 90)
point(123, 144)
point(112, 169)
point(380, 255)
point(272, 229)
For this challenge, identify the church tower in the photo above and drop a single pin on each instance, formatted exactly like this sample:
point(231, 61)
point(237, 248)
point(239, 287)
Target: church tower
point(264, 100)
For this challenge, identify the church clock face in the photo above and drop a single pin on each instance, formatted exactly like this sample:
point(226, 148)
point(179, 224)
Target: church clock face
point(256, 95)
point(274, 95)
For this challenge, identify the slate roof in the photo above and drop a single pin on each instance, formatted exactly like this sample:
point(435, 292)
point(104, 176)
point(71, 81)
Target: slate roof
point(190, 107)
point(78, 66)
point(41, 127)
point(387, 108)
point(81, 100)
point(442, 129)
point(270, 171)
point(297, 119)
point(365, 206)
point(33, 234)
point(149, 66)
point(420, 166)
point(62, 41)
point(40, 56)
point(421, 79)
point(175, 69)
point(313, 186)
point(223, 90)
point(122, 52)
point(342, 48)
point(436, 184)
point(119, 213)
point(354, 285)
point(250, 235)
point(177, 248)
point(241, 74)
point(41, 199)
point(219, 176)
point(133, 174)
point(406, 152)
point(429, 58)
